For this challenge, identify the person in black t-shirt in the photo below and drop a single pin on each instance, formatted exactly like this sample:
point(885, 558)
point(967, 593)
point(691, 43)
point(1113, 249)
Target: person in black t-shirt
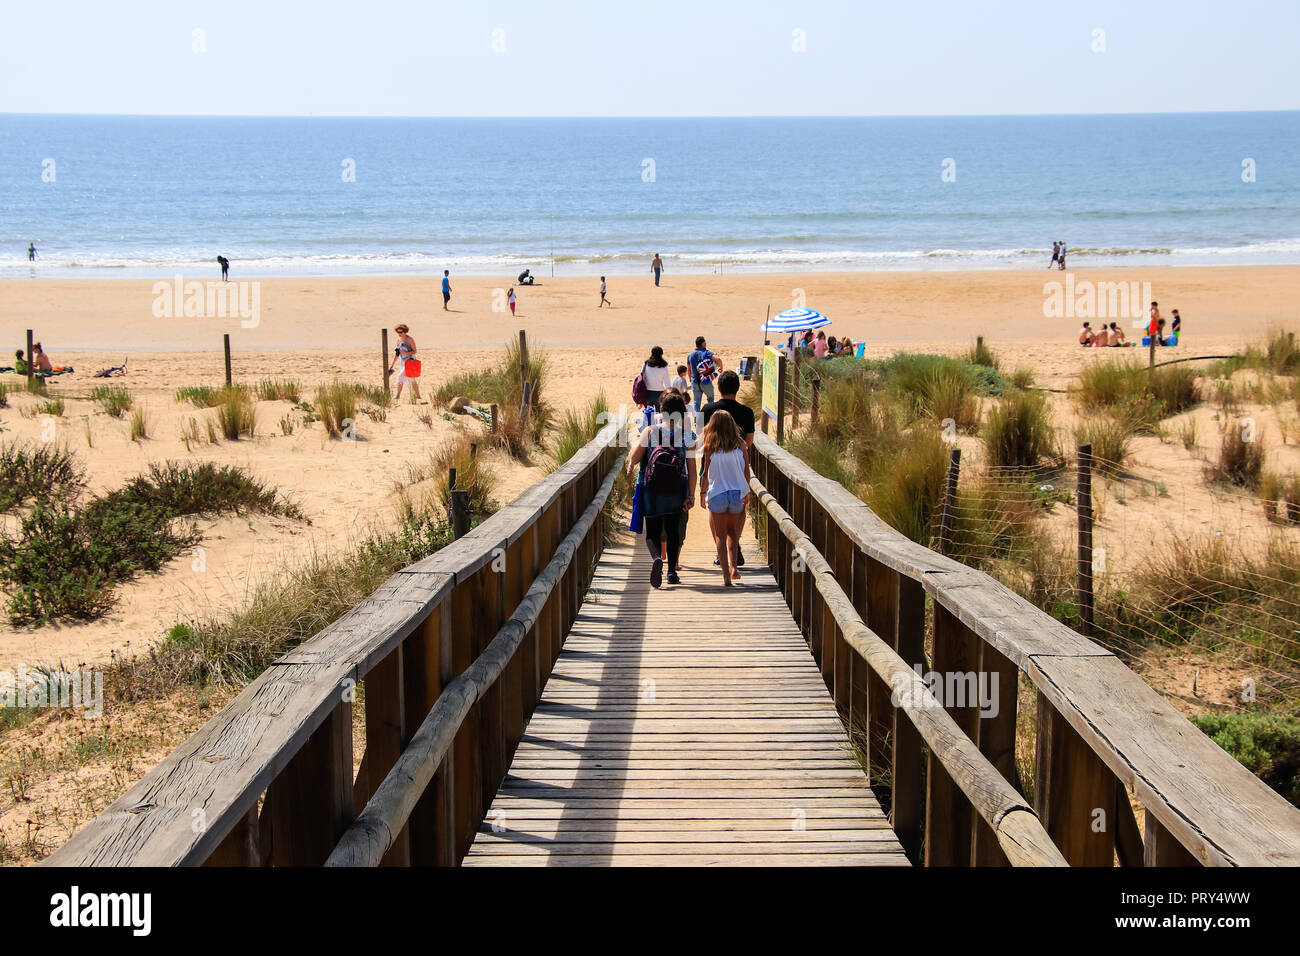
point(728, 386)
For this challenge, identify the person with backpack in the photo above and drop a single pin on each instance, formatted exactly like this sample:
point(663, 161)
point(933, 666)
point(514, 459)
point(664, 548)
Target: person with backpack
point(665, 484)
point(704, 368)
point(724, 486)
point(653, 380)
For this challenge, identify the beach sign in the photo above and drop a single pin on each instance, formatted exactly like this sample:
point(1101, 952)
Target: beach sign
point(771, 378)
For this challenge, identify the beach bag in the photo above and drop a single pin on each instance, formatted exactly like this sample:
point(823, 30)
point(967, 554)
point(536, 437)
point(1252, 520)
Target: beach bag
point(706, 369)
point(412, 368)
point(640, 394)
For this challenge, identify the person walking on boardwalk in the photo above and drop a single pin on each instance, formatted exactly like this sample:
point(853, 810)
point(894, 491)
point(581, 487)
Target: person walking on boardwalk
point(743, 416)
point(657, 267)
point(406, 354)
point(446, 289)
point(665, 484)
point(703, 365)
point(724, 486)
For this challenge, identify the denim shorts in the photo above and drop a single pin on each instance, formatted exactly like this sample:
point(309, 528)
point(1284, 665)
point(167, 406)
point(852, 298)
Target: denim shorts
point(727, 502)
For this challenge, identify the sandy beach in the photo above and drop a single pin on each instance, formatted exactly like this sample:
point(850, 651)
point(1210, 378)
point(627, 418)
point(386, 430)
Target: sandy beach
point(314, 330)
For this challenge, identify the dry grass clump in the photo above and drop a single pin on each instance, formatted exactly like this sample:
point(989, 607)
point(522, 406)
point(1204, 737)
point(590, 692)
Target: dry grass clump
point(473, 474)
point(1018, 432)
point(1280, 496)
point(236, 415)
point(336, 407)
point(1241, 458)
point(576, 429)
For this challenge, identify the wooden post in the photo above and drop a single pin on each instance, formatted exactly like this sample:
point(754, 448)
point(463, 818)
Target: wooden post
point(523, 356)
point(311, 799)
point(226, 344)
point(31, 365)
point(386, 736)
point(1151, 356)
point(523, 409)
point(780, 400)
point(1084, 506)
point(494, 418)
point(473, 450)
point(451, 479)
point(817, 391)
point(460, 513)
point(949, 817)
point(906, 793)
point(383, 360)
point(949, 501)
point(1071, 783)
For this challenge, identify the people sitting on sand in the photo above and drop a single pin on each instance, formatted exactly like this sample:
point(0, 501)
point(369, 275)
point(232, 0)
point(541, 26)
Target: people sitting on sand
point(111, 371)
point(40, 359)
point(1117, 337)
point(820, 346)
point(1086, 335)
point(20, 363)
point(525, 277)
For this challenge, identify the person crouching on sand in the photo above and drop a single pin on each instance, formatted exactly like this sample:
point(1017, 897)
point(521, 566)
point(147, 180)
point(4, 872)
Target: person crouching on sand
point(405, 352)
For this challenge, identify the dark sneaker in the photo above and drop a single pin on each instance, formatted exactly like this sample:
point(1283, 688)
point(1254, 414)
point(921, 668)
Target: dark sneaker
point(673, 578)
point(657, 573)
point(740, 559)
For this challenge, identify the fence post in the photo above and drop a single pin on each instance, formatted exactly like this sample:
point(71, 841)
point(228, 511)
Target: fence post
point(523, 356)
point(383, 360)
point(1084, 506)
point(226, 343)
point(523, 408)
point(31, 365)
point(1151, 354)
point(460, 513)
point(494, 418)
point(817, 391)
point(949, 502)
point(780, 400)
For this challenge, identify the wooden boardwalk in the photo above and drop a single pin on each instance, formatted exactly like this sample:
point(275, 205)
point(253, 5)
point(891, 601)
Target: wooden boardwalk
point(688, 726)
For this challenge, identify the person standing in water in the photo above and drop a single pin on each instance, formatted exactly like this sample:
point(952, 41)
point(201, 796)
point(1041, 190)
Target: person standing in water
point(31, 252)
point(1062, 265)
point(657, 267)
point(1056, 254)
point(446, 289)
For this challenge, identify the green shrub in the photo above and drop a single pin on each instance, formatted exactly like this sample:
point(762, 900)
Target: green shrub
point(1280, 496)
point(473, 474)
point(1268, 745)
point(206, 488)
point(1018, 432)
point(907, 491)
point(43, 471)
point(1110, 438)
point(981, 354)
point(139, 425)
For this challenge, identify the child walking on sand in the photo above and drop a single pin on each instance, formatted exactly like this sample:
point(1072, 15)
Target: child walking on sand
point(510, 298)
point(724, 486)
point(603, 300)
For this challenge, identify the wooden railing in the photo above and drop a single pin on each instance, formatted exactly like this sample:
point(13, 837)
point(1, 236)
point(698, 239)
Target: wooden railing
point(865, 597)
point(452, 654)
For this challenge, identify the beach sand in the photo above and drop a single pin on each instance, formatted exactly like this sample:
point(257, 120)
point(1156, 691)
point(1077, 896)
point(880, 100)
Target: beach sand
point(316, 329)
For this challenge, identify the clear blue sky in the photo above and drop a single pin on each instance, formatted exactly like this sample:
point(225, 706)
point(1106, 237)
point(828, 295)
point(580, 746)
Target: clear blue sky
point(647, 58)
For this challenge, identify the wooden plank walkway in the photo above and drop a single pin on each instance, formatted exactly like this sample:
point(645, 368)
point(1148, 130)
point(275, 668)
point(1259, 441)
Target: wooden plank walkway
point(684, 727)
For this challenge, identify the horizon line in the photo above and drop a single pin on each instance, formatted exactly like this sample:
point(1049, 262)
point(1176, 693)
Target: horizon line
point(645, 116)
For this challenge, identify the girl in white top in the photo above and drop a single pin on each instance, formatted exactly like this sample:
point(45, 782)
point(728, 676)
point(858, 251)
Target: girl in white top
point(724, 486)
point(657, 375)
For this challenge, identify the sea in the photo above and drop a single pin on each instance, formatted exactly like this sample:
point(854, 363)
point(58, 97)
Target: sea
point(149, 196)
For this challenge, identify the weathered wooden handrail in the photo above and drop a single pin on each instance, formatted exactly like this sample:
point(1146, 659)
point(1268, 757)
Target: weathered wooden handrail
point(1101, 730)
point(375, 830)
point(284, 744)
point(1008, 814)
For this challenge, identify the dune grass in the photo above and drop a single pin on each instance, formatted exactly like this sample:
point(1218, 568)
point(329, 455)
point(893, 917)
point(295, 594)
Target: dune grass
point(279, 390)
point(500, 384)
point(576, 429)
point(1280, 496)
point(201, 396)
point(1241, 458)
point(336, 407)
point(1111, 441)
point(1018, 432)
point(236, 415)
point(1135, 394)
point(115, 400)
point(473, 474)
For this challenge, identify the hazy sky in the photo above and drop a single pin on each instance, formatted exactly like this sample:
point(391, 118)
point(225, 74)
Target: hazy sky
point(616, 58)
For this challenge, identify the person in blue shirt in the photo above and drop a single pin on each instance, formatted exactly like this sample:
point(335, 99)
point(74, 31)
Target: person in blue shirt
point(446, 289)
point(703, 366)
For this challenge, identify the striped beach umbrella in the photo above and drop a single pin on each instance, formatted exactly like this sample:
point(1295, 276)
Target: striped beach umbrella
point(794, 320)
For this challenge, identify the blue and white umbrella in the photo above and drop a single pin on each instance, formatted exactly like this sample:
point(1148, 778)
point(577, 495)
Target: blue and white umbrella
point(794, 320)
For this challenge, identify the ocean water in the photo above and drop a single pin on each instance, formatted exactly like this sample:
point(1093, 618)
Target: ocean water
point(154, 196)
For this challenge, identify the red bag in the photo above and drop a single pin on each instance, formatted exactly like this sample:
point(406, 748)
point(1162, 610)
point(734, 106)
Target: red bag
point(412, 368)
